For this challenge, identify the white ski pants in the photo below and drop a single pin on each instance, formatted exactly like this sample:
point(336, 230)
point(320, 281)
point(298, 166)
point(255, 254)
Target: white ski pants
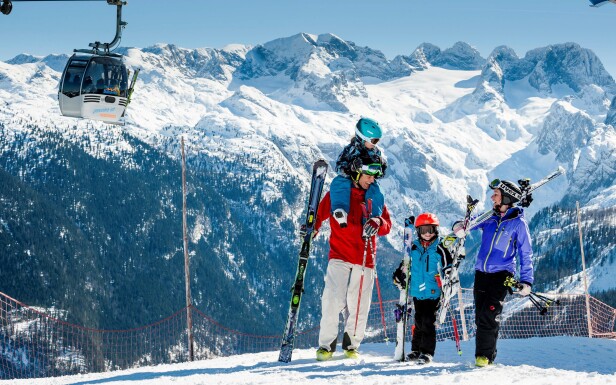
point(340, 295)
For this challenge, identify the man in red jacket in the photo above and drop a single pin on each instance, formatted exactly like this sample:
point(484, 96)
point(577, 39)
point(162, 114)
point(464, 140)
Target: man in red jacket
point(351, 263)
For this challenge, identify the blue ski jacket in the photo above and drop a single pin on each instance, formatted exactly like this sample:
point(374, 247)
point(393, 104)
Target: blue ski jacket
point(426, 262)
point(505, 239)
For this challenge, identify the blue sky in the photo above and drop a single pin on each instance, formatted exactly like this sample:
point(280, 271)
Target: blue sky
point(392, 26)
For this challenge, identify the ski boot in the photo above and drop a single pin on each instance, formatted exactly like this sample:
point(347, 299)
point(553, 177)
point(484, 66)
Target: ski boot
point(352, 354)
point(324, 354)
point(424, 359)
point(412, 356)
point(482, 361)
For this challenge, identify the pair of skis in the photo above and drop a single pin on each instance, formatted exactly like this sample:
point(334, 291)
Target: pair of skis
point(402, 307)
point(319, 171)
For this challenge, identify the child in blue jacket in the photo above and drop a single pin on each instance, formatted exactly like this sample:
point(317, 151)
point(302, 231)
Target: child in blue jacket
point(428, 258)
point(360, 156)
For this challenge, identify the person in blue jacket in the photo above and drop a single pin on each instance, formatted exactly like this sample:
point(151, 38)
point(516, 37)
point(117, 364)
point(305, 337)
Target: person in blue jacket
point(505, 238)
point(428, 259)
point(362, 151)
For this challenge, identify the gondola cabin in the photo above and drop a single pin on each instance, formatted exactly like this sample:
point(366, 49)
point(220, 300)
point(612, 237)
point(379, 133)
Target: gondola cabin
point(94, 87)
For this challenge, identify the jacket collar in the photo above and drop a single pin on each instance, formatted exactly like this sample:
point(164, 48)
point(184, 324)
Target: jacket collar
point(511, 213)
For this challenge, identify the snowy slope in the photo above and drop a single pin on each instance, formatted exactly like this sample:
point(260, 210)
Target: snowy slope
point(535, 361)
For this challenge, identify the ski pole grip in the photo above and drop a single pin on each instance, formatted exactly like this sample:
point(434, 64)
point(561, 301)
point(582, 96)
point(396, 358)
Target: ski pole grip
point(364, 210)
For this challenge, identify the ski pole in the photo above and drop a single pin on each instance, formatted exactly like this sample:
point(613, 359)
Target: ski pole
point(541, 302)
point(456, 335)
point(378, 292)
point(361, 284)
point(455, 331)
point(363, 267)
point(368, 214)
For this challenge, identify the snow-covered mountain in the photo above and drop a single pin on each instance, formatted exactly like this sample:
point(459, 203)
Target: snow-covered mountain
point(255, 118)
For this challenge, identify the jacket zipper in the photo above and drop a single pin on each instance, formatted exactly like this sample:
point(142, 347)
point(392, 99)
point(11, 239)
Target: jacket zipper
point(507, 249)
point(491, 246)
point(485, 263)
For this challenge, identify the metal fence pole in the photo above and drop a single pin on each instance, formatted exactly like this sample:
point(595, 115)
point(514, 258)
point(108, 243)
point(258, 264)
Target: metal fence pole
point(586, 295)
point(191, 350)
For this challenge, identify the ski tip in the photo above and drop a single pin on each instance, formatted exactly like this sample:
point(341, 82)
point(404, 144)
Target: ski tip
point(561, 170)
point(410, 221)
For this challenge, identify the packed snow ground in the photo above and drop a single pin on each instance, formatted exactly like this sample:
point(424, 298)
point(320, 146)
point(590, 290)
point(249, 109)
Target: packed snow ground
point(535, 361)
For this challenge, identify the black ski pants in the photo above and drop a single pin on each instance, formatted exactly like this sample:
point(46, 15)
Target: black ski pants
point(424, 332)
point(489, 292)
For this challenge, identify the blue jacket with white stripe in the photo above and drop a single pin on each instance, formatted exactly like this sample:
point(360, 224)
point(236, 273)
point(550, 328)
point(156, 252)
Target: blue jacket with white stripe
point(426, 262)
point(504, 240)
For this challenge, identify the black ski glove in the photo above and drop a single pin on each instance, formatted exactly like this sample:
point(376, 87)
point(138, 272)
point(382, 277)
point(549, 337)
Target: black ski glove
point(527, 201)
point(399, 277)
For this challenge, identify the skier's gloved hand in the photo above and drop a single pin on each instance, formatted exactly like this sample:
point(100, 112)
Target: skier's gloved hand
point(371, 228)
point(458, 229)
point(399, 276)
point(524, 289)
point(527, 201)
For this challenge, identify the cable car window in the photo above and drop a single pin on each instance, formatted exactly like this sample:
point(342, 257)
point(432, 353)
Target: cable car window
point(106, 76)
point(71, 83)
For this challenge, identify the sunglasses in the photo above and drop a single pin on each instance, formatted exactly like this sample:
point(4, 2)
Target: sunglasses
point(426, 229)
point(373, 169)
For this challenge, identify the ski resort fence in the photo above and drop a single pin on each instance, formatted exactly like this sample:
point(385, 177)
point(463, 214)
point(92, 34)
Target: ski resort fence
point(35, 344)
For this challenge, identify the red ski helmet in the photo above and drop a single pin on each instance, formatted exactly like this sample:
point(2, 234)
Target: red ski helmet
point(426, 219)
point(427, 223)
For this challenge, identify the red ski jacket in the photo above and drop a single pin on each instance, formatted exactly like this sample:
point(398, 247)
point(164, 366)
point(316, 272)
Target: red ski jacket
point(347, 244)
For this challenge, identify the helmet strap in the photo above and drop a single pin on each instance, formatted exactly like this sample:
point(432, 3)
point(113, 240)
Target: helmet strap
point(498, 209)
point(355, 179)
